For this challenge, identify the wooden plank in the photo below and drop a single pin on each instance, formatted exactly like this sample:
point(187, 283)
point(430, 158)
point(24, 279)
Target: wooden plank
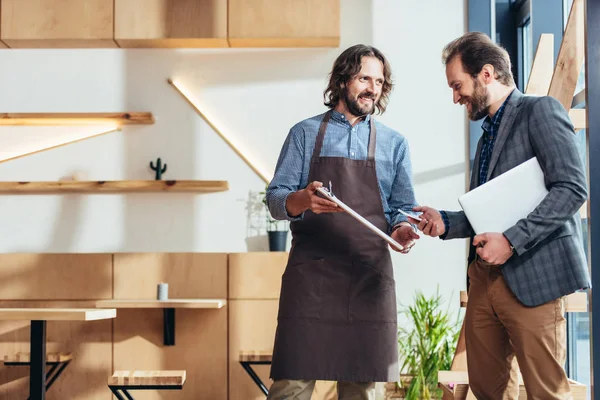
point(50, 119)
point(260, 23)
point(578, 118)
point(57, 23)
point(459, 361)
point(48, 276)
point(583, 213)
point(189, 275)
point(25, 357)
point(56, 314)
point(200, 349)
point(256, 275)
point(576, 302)
point(90, 343)
point(112, 187)
point(171, 23)
point(570, 57)
point(543, 67)
point(171, 303)
point(147, 378)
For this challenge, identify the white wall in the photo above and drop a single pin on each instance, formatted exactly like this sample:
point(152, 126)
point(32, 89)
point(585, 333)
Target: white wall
point(256, 96)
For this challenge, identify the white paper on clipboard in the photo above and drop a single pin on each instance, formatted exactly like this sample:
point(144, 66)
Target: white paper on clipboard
point(330, 196)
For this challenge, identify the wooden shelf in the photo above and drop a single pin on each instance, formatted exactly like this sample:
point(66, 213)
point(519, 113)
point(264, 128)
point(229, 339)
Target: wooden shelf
point(56, 314)
point(37, 119)
point(50, 187)
point(171, 303)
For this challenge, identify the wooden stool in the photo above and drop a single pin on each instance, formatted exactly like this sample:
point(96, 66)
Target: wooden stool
point(249, 358)
point(57, 361)
point(145, 380)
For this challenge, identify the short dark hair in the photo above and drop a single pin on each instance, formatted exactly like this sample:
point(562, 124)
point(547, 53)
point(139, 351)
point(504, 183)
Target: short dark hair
point(476, 49)
point(347, 66)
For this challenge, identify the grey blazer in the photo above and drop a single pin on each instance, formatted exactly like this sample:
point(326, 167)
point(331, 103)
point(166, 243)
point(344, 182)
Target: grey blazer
point(549, 259)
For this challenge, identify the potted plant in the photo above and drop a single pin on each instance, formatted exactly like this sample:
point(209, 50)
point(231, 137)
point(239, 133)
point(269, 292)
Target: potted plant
point(426, 345)
point(276, 230)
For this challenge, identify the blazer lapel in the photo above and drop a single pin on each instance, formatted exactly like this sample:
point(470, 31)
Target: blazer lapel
point(508, 119)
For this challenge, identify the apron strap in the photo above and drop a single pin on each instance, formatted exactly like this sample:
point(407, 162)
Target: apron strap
point(321, 136)
point(372, 139)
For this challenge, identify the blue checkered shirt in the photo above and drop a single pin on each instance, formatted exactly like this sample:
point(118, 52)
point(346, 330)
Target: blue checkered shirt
point(392, 160)
point(490, 126)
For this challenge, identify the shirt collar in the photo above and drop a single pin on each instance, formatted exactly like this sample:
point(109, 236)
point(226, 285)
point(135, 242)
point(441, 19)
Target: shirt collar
point(488, 122)
point(338, 116)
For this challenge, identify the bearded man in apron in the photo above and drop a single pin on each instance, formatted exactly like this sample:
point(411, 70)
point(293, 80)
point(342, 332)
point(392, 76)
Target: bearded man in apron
point(337, 316)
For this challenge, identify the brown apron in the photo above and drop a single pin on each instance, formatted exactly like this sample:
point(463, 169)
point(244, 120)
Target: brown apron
point(337, 311)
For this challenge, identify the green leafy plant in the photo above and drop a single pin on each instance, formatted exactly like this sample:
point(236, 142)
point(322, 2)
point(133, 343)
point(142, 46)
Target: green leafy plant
point(426, 345)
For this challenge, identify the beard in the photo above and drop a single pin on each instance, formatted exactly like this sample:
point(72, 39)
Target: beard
point(355, 107)
point(479, 102)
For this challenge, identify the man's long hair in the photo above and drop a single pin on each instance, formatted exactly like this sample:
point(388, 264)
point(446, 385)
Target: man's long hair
point(347, 66)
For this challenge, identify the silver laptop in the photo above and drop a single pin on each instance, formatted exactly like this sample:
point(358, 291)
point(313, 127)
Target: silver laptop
point(501, 202)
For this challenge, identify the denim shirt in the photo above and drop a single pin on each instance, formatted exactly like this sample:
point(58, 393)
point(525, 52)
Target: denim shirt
point(392, 160)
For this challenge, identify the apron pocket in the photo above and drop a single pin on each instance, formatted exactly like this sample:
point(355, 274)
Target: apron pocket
point(301, 290)
point(372, 296)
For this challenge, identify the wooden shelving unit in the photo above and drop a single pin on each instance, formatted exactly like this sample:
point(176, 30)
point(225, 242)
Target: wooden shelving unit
point(49, 119)
point(136, 186)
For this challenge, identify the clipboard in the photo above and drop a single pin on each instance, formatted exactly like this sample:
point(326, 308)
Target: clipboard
point(330, 196)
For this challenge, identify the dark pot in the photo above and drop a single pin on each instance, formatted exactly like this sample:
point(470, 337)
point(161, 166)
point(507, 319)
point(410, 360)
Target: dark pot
point(277, 240)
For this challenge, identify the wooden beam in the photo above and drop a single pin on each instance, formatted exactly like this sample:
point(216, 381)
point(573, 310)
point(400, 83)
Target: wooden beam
point(186, 95)
point(543, 67)
point(570, 57)
point(112, 187)
point(37, 119)
point(578, 118)
point(57, 146)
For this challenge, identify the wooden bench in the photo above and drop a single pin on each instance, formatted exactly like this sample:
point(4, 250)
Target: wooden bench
point(145, 380)
point(57, 361)
point(253, 357)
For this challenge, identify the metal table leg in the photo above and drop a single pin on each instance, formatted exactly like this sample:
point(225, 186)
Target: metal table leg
point(37, 370)
point(247, 366)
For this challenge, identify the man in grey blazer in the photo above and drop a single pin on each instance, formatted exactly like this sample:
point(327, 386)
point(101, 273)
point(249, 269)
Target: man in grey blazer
point(517, 278)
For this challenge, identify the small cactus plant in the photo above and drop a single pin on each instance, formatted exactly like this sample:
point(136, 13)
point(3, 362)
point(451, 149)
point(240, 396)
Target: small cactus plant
point(159, 169)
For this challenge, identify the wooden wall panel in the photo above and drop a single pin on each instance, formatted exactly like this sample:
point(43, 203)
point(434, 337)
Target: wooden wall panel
point(256, 275)
point(200, 348)
point(171, 23)
point(189, 275)
point(90, 342)
point(55, 276)
point(252, 326)
point(57, 23)
point(273, 23)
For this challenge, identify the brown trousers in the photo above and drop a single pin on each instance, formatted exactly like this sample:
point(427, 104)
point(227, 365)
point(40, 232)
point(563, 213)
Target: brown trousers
point(305, 390)
point(498, 327)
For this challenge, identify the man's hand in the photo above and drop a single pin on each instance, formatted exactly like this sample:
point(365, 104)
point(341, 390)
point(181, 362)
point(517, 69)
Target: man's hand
point(493, 248)
point(405, 236)
point(431, 223)
point(308, 199)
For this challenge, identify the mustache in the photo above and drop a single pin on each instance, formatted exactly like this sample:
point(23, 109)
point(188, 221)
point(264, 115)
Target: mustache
point(367, 95)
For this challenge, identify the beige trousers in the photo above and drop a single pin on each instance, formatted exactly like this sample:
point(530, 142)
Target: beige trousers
point(303, 390)
point(498, 327)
